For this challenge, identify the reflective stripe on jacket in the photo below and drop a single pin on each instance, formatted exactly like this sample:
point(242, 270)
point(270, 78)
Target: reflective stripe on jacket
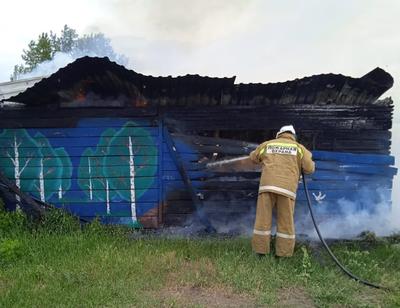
point(282, 160)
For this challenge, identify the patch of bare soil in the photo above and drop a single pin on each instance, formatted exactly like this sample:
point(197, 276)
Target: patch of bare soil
point(194, 284)
point(294, 297)
point(204, 297)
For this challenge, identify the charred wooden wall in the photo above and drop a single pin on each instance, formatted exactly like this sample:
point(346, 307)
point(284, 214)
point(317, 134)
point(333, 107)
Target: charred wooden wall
point(340, 118)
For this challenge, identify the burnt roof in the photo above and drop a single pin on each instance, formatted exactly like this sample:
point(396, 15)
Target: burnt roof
point(106, 79)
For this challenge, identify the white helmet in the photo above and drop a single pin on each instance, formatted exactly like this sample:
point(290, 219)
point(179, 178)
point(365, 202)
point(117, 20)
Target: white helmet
point(286, 128)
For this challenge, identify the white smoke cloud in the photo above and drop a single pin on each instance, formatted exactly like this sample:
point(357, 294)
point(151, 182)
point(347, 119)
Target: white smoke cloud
point(351, 218)
point(47, 68)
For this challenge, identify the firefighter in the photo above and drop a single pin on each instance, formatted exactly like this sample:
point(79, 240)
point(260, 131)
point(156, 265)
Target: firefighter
point(282, 161)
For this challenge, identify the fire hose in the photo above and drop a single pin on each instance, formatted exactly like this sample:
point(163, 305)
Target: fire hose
point(345, 270)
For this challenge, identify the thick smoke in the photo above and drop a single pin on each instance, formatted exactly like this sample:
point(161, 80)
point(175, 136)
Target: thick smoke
point(47, 68)
point(351, 218)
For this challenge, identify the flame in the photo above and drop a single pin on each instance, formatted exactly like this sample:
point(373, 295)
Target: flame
point(140, 102)
point(80, 96)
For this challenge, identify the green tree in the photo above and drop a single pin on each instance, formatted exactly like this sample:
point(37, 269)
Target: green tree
point(69, 42)
point(38, 51)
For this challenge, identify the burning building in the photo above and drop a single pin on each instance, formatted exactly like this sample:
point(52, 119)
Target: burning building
point(100, 140)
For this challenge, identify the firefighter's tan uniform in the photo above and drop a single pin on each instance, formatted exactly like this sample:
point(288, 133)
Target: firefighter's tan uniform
point(282, 160)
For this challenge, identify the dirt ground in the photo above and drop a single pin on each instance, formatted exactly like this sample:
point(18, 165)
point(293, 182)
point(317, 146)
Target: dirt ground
point(182, 289)
point(204, 297)
point(294, 297)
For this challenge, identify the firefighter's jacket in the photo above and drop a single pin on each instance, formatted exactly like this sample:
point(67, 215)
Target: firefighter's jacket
point(282, 160)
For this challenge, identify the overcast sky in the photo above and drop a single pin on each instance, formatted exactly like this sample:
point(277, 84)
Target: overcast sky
point(258, 41)
point(255, 40)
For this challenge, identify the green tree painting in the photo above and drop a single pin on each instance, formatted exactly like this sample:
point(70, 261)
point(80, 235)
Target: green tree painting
point(34, 164)
point(55, 165)
point(19, 152)
point(65, 183)
point(90, 172)
point(128, 156)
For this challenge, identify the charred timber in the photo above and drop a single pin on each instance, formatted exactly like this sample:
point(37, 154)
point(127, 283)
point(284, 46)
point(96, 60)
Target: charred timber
point(100, 79)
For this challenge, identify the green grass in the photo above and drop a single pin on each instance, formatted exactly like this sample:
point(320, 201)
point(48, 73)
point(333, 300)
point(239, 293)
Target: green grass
point(49, 267)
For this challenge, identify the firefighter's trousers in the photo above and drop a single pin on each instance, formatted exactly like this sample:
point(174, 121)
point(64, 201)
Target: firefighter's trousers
point(285, 235)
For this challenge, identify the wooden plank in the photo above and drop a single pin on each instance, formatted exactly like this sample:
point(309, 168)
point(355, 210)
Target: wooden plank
point(72, 142)
point(228, 150)
point(55, 183)
point(186, 157)
point(178, 219)
point(248, 122)
point(122, 209)
point(222, 142)
point(72, 122)
point(76, 156)
point(79, 132)
point(180, 207)
point(190, 166)
point(76, 161)
point(143, 195)
point(186, 179)
point(252, 185)
point(354, 158)
point(141, 150)
point(45, 113)
point(31, 208)
point(144, 173)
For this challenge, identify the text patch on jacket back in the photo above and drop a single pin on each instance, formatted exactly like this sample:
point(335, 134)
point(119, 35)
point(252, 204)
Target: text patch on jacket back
point(281, 148)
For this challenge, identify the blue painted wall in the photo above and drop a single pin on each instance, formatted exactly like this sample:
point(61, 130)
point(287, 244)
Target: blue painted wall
point(102, 167)
point(121, 170)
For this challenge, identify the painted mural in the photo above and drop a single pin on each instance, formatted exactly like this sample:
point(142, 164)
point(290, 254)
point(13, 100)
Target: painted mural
point(36, 166)
point(120, 170)
point(99, 168)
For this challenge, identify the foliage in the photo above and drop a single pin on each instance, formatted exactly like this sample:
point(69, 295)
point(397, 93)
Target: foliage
point(12, 223)
point(306, 266)
point(57, 221)
point(69, 42)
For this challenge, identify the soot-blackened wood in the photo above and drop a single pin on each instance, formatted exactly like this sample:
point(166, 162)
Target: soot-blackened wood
point(199, 140)
point(108, 79)
point(27, 203)
point(47, 113)
point(189, 186)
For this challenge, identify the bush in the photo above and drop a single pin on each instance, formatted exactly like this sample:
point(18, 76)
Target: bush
point(59, 222)
point(55, 221)
point(12, 222)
